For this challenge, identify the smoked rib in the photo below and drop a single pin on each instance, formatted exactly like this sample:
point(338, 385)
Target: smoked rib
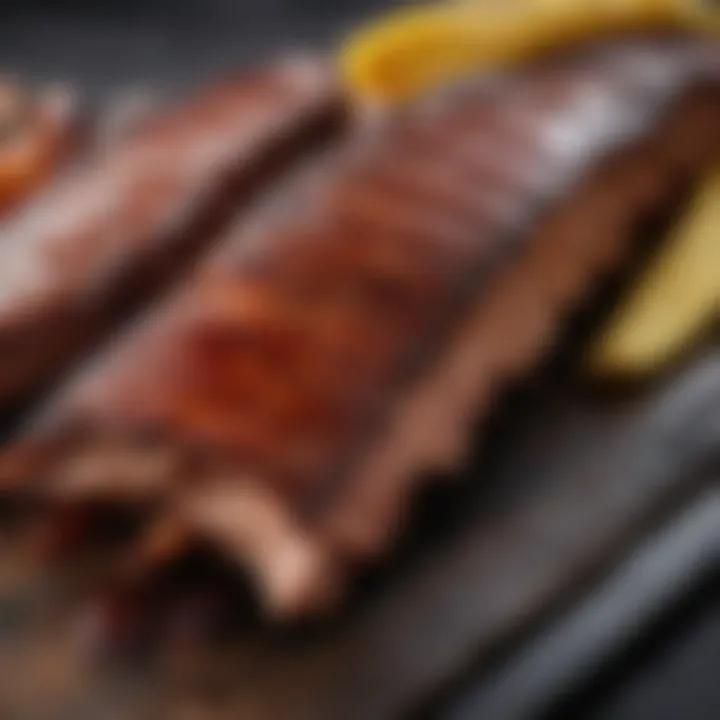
point(41, 131)
point(338, 346)
point(104, 241)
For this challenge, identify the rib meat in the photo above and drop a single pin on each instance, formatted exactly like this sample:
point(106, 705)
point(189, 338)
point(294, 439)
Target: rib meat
point(110, 237)
point(40, 131)
point(339, 346)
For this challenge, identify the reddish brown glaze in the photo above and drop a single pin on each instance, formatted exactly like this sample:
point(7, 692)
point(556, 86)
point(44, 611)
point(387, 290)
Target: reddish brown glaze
point(287, 400)
point(116, 231)
point(40, 130)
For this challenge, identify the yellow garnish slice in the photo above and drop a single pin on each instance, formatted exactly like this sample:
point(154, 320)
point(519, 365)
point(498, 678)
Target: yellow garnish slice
point(408, 52)
point(674, 301)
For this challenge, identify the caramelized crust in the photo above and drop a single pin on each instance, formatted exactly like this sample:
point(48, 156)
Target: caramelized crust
point(106, 240)
point(40, 131)
point(331, 353)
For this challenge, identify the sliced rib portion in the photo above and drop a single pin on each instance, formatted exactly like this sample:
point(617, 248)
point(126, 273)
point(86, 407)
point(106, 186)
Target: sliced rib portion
point(41, 130)
point(286, 402)
point(105, 240)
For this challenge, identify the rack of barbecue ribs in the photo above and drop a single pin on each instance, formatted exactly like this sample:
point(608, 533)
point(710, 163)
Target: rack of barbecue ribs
point(40, 130)
point(109, 238)
point(338, 346)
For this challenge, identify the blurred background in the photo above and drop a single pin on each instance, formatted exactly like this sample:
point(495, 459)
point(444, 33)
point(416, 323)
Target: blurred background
point(636, 633)
point(173, 42)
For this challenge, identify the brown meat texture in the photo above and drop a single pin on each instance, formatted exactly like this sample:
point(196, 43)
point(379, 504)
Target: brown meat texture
point(114, 233)
point(41, 130)
point(339, 346)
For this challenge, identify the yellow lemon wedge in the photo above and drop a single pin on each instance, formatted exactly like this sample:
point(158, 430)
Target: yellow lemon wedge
point(674, 301)
point(407, 52)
